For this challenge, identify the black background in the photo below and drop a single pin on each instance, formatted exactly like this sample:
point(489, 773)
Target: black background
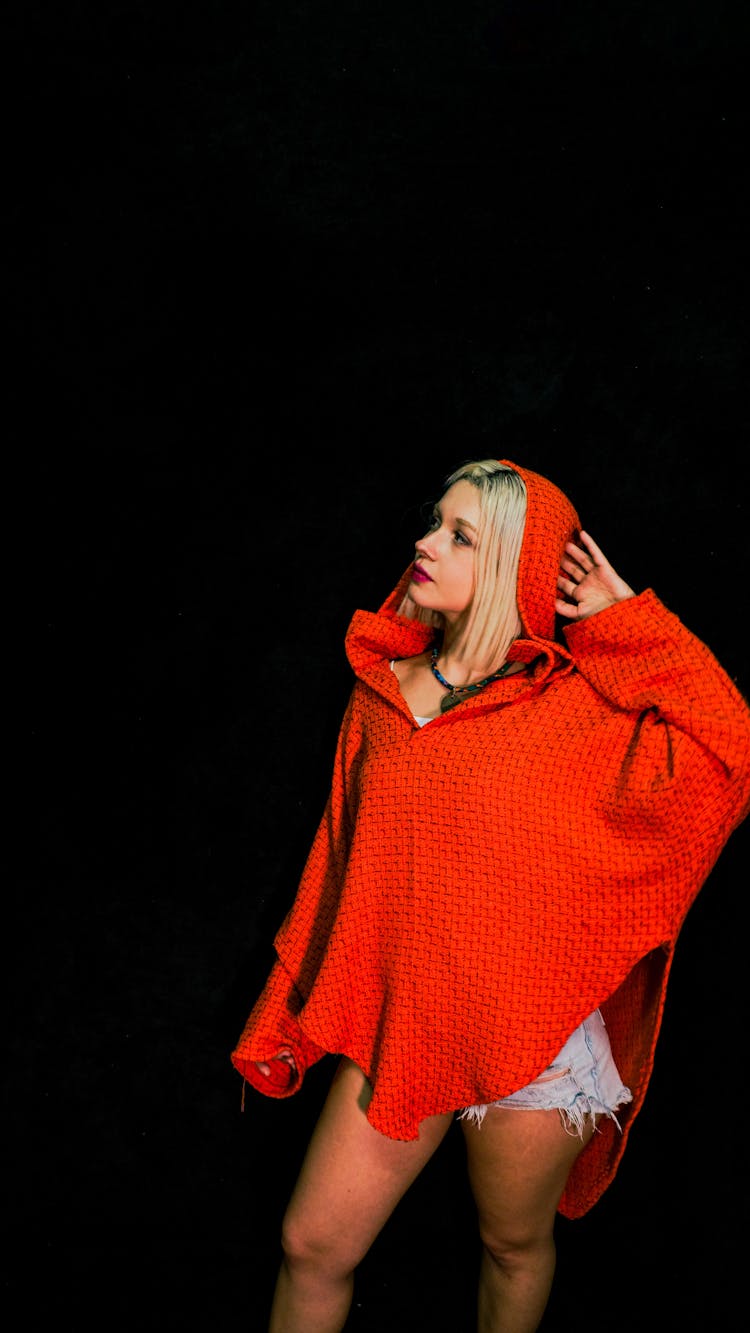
point(273, 271)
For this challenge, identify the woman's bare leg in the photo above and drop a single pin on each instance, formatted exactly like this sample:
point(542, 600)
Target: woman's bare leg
point(351, 1179)
point(519, 1162)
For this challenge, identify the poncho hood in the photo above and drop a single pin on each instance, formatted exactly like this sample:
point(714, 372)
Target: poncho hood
point(551, 521)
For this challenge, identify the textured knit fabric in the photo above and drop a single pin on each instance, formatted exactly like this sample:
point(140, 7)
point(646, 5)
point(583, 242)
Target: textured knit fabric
point(478, 886)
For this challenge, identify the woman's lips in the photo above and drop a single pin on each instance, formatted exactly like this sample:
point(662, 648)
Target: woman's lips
point(419, 576)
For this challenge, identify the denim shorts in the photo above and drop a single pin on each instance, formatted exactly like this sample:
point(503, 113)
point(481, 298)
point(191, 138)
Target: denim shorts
point(582, 1080)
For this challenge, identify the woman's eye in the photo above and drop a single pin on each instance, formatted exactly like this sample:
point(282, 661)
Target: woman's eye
point(461, 538)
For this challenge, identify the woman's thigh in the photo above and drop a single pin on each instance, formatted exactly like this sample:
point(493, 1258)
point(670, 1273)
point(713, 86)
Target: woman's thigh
point(352, 1176)
point(518, 1163)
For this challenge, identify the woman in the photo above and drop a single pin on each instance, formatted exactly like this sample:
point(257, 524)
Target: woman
point(535, 773)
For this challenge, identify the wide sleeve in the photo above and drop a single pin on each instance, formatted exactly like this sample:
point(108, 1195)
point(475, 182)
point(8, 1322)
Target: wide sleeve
point(271, 1028)
point(640, 657)
point(274, 1022)
point(302, 939)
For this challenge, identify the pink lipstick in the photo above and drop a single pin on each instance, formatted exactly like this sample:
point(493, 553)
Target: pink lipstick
point(419, 575)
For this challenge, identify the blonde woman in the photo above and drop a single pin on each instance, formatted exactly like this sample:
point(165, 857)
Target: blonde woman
point(536, 770)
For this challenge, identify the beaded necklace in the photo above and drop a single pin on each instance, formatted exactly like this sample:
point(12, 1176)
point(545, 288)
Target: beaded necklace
point(456, 693)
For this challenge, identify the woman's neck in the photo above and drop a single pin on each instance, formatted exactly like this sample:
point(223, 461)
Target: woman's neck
point(458, 666)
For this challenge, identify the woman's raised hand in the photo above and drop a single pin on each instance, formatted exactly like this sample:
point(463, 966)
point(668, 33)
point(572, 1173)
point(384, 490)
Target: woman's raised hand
point(588, 581)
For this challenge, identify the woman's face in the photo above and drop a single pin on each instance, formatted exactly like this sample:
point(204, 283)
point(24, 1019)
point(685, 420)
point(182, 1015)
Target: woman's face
point(443, 574)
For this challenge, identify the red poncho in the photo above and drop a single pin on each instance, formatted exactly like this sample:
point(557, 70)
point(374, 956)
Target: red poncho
point(478, 886)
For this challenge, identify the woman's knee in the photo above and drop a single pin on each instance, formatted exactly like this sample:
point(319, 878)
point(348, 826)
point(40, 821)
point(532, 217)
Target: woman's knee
point(512, 1246)
point(307, 1245)
point(301, 1242)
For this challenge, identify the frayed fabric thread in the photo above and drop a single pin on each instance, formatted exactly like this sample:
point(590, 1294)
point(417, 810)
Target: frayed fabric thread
point(572, 1117)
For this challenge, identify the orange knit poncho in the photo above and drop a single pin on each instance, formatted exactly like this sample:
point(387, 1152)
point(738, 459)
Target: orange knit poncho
point(478, 886)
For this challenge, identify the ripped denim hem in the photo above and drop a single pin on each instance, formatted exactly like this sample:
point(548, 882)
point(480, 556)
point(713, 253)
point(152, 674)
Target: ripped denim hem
point(583, 1081)
point(572, 1114)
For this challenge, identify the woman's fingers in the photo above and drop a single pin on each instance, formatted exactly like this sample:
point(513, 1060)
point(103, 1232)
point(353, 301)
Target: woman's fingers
point(596, 553)
point(285, 1055)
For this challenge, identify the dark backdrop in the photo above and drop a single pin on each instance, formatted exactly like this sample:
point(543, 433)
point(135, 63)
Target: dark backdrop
point(273, 270)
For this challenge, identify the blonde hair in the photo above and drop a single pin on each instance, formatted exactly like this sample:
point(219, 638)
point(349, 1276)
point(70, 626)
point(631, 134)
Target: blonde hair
point(494, 620)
